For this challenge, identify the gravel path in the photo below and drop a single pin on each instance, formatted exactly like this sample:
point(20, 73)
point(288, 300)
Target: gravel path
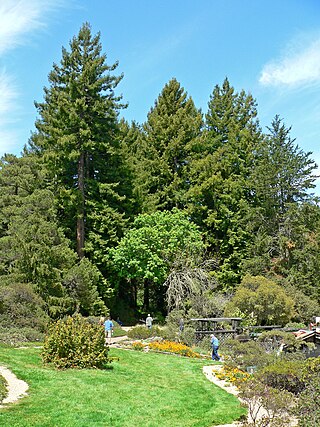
point(16, 388)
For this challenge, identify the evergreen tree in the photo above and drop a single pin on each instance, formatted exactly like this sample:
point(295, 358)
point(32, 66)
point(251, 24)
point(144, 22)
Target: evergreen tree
point(285, 220)
point(77, 138)
point(172, 126)
point(220, 193)
point(283, 175)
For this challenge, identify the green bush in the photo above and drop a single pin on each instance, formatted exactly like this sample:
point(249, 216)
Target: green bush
point(284, 375)
point(14, 336)
point(143, 333)
point(308, 407)
point(3, 388)
point(75, 343)
point(243, 354)
point(21, 307)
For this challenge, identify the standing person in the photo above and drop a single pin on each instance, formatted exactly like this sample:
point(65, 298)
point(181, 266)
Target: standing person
point(108, 328)
point(215, 347)
point(181, 325)
point(149, 321)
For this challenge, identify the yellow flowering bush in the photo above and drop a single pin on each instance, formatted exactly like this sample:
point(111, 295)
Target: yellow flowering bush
point(232, 374)
point(138, 345)
point(173, 347)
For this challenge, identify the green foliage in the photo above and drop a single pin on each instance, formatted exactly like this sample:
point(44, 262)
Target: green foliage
point(146, 253)
point(21, 307)
point(220, 191)
point(75, 343)
point(77, 140)
point(305, 306)
point(273, 340)
point(3, 388)
point(285, 219)
point(172, 127)
point(263, 300)
point(81, 283)
point(243, 354)
point(284, 375)
point(142, 332)
point(16, 335)
point(308, 407)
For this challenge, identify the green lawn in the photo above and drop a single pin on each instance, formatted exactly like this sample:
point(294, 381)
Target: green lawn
point(147, 390)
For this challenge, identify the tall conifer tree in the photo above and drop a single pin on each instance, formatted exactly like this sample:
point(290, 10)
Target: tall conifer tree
point(172, 126)
point(77, 137)
point(220, 191)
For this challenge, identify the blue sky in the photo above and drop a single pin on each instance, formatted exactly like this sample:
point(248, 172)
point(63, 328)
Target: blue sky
point(270, 48)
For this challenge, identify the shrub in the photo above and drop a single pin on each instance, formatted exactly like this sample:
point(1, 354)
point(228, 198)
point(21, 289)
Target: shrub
point(284, 375)
point(233, 375)
point(3, 388)
point(263, 299)
point(138, 345)
point(75, 343)
point(173, 347)
point(308, 408)
point(13, 336)
point(277, 404)
point(21, 307)
point(272, 341)
point(143, 333)
point(243, 354)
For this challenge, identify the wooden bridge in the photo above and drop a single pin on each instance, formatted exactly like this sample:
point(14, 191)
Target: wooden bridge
point(222, 327)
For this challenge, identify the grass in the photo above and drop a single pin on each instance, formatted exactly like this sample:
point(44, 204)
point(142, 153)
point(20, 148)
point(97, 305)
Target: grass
point(146, 389)
point(3, 388)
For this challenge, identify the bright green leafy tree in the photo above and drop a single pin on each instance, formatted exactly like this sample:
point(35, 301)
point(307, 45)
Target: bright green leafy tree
point(148, 250)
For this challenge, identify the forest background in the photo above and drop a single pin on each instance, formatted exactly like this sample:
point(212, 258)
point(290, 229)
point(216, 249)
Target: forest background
point(206, 214)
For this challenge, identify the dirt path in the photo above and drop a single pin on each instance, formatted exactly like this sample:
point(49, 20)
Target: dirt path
point(16, 388)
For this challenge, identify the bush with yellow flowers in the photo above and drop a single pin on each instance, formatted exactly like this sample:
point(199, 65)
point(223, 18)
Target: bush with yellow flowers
point(233, 375)
point(138, 345)
point(173, 347)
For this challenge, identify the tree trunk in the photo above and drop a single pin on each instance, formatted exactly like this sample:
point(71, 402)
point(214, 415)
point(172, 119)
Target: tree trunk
point(81, 208)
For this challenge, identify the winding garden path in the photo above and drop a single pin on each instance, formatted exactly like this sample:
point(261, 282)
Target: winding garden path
point(16, 388)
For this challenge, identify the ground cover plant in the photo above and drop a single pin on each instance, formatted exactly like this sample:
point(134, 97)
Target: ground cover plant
point(137, 390)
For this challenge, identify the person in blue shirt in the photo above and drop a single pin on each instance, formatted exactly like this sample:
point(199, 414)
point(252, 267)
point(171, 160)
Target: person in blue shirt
point(108, 328)
point(215, 347)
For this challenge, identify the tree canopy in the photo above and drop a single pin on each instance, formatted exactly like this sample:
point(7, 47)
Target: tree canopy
point(100, 212)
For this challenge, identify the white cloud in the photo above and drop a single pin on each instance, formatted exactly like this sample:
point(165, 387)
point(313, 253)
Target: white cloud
point(8, 94)
point(20, 17)
point(298, 67)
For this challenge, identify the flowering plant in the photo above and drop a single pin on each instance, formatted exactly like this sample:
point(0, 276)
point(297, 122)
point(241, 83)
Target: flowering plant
point(173, 347)
point(138, 345)
point(232, 374)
